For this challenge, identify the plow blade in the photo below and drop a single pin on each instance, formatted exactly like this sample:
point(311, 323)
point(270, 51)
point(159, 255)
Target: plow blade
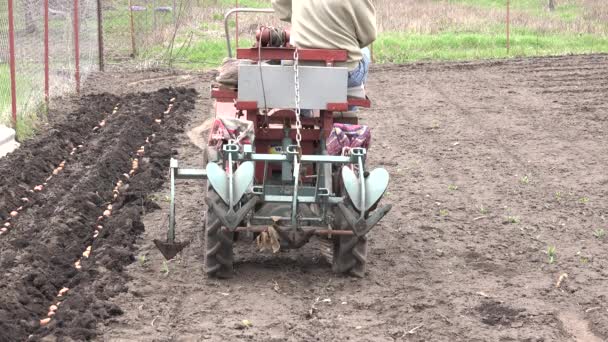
point(170, 249)
point(374, 186)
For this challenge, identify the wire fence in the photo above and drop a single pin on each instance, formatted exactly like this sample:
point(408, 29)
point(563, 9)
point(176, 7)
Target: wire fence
point(52, 46)
point(58, 43)
point(133, 28)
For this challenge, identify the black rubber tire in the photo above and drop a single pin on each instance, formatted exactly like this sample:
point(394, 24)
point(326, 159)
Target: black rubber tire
point(349, 252)
point(219, 255)
point(350, 255)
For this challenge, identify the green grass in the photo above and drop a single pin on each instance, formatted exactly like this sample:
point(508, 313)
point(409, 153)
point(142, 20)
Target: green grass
point(406, 47)
point(5, 91)
point(565, 11)
point(397, 47)
point(242, 3)
point(28, 113)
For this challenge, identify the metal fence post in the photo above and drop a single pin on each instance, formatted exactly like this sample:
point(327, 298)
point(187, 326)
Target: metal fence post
point(236, 21)
point(76, 47)
point(46, 54)
point(11, 48)
point(100, 35)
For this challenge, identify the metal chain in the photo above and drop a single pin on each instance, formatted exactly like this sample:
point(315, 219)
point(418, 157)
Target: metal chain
point(296, 70)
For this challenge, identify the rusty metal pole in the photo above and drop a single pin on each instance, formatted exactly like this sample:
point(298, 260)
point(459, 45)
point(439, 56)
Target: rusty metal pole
point(77, 46)
point(46, 54)
point(133, 49)
point(11, 48)
point(236, 18)
point(99, 35)
point(508, 26)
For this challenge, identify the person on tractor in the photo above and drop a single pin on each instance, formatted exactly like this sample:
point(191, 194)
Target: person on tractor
point(333, 24)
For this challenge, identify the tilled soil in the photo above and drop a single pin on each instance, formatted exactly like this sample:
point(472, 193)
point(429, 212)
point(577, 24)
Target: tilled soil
point(498, 190)
point(61, 214)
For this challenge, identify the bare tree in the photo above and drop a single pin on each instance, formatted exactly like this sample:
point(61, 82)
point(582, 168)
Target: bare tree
point(551, 5)
point(29, 8)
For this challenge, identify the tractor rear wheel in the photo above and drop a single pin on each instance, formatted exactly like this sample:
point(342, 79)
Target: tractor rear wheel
point(218, 241)
point(349, 252)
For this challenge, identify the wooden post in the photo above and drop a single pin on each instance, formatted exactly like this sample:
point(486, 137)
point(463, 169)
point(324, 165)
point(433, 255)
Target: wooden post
point(133, 48)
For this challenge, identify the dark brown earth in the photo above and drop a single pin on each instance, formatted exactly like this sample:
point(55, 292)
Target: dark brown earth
point(54, 226)
point(492, 163)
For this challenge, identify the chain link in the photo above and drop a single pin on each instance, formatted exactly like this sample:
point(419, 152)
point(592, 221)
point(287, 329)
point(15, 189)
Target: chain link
point(296, 70)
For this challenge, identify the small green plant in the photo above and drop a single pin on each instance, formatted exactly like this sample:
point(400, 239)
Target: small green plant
point(165, 268)
point(551, 253)
point(512, 219)
point(524, 180)
point(583, 200)
point(483, 210)
point(443, 212)
point(142, 260)
point(452, 187)
point(558, 195)
point(599, 233)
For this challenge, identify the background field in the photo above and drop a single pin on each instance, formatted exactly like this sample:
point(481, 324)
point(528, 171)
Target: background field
point(191, 37)
point(415, 30)
point(498, 187)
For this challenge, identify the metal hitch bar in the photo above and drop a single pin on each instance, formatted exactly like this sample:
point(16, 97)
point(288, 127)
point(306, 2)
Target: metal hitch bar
point(170, 248)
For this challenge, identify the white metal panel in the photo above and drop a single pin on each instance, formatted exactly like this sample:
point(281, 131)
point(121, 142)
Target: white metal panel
point(318, 86)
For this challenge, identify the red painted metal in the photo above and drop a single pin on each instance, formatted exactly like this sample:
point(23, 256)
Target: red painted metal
point(328, 122)
point(277, 134)
point(269, 130)
point(365, 103)
point(226, 109)
point(246, 105)
point(46, 53)
point(337, 107)
point(223, 93)
point(280, 116)
point(11, 48)
point(308, 55)
point(77, 46)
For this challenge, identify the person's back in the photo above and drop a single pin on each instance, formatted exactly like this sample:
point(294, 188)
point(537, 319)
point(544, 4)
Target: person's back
point(330, 24)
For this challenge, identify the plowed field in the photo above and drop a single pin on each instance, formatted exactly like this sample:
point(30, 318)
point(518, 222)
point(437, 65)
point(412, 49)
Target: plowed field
point(497, 233)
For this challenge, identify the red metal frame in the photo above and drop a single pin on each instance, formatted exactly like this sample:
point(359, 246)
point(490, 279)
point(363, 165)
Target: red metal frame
point(11, 48)
point(307, 55)
point(230, 95)
point(76, 46)
point(46, 53)
point(269, 129)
